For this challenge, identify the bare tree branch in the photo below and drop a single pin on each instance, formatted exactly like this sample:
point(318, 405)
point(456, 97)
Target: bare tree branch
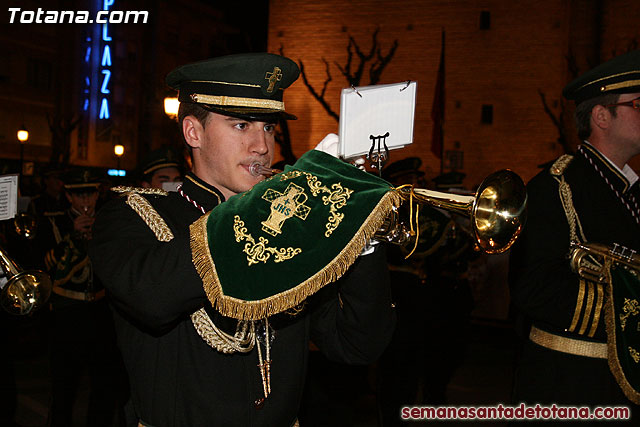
point(318, 97)
point(381, 62)
point(558, 122)
point(353, 76)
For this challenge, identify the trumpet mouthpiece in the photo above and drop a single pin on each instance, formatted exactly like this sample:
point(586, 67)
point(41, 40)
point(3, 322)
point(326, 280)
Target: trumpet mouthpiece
point(257, 169)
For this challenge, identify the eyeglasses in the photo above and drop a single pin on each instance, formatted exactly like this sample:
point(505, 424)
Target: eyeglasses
point(634, 103)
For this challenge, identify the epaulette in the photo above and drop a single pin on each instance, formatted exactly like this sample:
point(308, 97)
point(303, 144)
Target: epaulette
point(144, 209)
point(561, 164)
point(140, 190)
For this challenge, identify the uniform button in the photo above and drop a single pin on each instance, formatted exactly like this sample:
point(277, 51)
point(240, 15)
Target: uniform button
point(259, 403)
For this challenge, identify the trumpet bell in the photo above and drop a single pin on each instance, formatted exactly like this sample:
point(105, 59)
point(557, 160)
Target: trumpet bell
point(499, 211)
point(26, 292)
point(25, 225)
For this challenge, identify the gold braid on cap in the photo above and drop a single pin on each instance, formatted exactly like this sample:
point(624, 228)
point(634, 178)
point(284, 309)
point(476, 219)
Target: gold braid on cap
point(233, 101)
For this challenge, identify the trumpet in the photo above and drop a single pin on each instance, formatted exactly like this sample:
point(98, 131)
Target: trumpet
point(24, 291)
point(497, 211)
point(25, 225)
point(588, 259)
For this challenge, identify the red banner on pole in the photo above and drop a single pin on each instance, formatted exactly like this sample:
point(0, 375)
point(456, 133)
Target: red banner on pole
point(437, 110)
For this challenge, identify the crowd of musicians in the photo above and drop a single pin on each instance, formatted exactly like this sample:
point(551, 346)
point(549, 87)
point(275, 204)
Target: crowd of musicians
point(130, 305)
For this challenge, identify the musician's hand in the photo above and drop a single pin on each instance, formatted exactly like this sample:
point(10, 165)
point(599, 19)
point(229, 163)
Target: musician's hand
point(329, 144)
point(83, 223)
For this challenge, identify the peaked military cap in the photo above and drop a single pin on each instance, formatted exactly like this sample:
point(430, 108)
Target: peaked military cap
point(249, 86)
point(80, 180)
point(618, 75)
point(160, 158)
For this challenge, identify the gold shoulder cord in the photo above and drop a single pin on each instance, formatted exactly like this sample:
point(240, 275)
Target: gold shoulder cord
point(244, 338)
point(144, 209)
point(588, 292)
point(140, 190)
point(241, 342)
point(566, 197)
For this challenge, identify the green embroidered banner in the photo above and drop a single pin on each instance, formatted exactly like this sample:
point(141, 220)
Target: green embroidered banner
point(266, 250)
point(623, 329)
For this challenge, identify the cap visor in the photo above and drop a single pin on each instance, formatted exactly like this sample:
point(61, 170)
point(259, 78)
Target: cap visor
point(253, 114)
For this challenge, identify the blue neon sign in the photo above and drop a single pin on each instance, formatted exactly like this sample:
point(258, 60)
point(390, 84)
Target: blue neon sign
point(117, 172)
point(105, 67)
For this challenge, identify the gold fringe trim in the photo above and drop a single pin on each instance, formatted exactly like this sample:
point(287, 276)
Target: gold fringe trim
point(149, 215)
point(253, 310)
point(614, 362)
point(140, 190)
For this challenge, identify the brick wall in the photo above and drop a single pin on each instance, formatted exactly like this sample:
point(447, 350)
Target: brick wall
point(506, 66)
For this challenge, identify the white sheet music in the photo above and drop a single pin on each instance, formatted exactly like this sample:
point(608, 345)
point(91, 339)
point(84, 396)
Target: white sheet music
point(8, 196)
point(374, 111)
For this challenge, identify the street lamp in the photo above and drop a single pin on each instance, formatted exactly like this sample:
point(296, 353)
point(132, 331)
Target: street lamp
point(118, 150)
point(23, 137)
point(171, 106)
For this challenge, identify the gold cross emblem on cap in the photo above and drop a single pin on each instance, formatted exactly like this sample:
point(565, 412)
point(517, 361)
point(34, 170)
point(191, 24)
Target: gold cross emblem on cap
point(284, 206)
point(273, 77)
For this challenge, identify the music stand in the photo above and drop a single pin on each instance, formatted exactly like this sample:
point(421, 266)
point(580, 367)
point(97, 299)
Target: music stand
point(376, 119)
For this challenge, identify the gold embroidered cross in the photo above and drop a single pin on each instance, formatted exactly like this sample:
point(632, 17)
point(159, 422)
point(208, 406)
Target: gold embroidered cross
point(284, 206)
point(273, 77)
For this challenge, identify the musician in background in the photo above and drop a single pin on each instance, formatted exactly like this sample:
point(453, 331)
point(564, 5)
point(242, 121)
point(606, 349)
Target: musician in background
point(160, 166)
point(591, 196)
point(81, 332)
point(52, 198)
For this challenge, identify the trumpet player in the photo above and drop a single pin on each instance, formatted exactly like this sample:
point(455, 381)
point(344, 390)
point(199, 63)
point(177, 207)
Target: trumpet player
point(81, 331)
point(589, 196)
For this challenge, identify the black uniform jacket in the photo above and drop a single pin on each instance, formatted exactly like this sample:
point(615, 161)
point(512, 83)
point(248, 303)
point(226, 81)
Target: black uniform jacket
point(543, 287)
point(176, 378)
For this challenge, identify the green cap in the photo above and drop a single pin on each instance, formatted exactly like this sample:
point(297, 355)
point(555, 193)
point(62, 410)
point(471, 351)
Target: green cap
point(249, 85)
point(618, 75)
point(80, 180)
point(160, 158)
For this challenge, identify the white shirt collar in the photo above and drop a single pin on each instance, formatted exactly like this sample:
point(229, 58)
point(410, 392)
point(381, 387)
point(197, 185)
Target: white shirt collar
point(628, 173)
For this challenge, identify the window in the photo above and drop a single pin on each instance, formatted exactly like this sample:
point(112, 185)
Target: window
point(485, 20)
point(486, 116)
